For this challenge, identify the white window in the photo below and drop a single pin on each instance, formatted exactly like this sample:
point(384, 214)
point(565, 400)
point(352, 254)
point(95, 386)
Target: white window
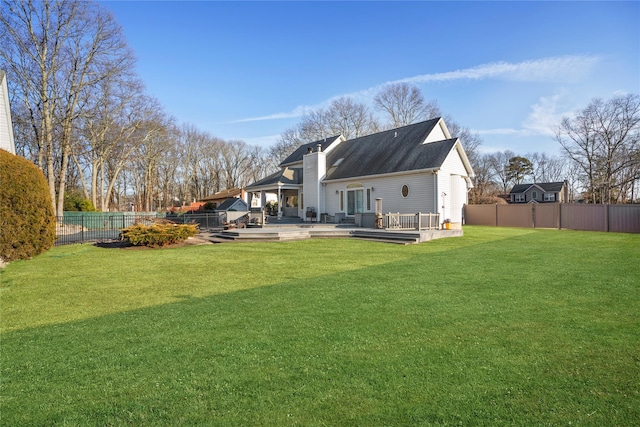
point(519, 198)
point(534, 195)
point(549, 197)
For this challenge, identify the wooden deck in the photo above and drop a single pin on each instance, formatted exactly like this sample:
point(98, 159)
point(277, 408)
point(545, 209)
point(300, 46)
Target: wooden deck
point(310, 231)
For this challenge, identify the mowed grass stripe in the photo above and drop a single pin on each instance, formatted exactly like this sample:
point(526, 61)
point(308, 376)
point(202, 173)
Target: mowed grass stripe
point(501, 327)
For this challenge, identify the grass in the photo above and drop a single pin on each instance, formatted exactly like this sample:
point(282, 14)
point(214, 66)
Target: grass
point(499, 327)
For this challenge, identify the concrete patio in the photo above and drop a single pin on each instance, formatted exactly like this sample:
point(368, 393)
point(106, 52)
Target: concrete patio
point(285, 232)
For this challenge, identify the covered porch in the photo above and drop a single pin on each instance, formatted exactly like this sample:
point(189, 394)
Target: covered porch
point(285, 187)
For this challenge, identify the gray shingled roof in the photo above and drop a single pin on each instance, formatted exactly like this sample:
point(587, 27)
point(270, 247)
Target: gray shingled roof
point(297, 155)
point(395, 150)
point(283, 176)
point(233, 204)
point(548, 187)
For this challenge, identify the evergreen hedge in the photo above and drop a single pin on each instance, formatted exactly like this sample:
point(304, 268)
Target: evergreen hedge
point(27, 221)
point(159, 234)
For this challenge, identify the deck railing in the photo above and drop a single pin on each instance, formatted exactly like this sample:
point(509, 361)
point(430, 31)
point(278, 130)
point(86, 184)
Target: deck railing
point(419, 221)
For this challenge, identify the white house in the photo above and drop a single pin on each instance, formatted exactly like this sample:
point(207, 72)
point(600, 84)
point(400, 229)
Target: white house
point(6, 128)
point(415, 168)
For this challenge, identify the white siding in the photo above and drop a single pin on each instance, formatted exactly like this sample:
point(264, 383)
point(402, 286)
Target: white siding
point(6, 130)
point(389, 188)
point(451, 181)
point(315, 166)
point(437, 134)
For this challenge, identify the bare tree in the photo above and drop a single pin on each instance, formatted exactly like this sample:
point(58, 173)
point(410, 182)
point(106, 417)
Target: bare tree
point(484, 189)
point(499, 162)
point(236, 158)
point(404, 104)
point(112, 112)
point(56, 51)
point(547, 168)
point(288, 142)
point(470, 141)
point(604, 141)
point(343, 117)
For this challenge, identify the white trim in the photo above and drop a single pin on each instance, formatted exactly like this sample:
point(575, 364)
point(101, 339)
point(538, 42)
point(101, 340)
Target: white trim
point(382, 175)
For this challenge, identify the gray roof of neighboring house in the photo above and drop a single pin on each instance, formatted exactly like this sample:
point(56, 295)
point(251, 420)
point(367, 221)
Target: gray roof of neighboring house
point(548, 187)
point(233, 204)
point(297, 155)
point(395, 150)
point(283, 176)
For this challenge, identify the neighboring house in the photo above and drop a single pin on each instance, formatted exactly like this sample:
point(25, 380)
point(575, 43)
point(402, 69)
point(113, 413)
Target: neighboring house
point(233, 204)
point(6, 128)
point(415, 168)
point(542, 192)
point(190, 208)
point(222, 196)
point(232, 209)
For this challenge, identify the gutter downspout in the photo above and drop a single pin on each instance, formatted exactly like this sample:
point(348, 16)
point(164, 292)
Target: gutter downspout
point(436, 199)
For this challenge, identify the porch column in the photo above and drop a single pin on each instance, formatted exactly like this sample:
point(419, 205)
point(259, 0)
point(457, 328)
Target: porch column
point(263, 199)
point(279, 204)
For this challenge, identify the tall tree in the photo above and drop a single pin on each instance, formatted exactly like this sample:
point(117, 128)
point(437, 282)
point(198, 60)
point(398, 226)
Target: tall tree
point(547, 168)
point(499, 162)
point(404, 104)
point(518, 169)
point(603, 140)
point(343, 117)
point(56, 50)
point(484, 187)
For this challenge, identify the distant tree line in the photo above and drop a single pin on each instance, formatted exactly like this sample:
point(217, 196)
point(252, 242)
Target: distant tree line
point(600, 157)
point(82, 115)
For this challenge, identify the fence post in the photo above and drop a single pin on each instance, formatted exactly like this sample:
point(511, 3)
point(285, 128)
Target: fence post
point(606, 217)
point(419, 221)
point(496, 214)
point(82, 228)
point(559, 216)
point(533, 215)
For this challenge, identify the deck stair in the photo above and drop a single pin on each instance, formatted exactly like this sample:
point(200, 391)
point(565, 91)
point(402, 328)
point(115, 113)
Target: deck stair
point(308, 231)
point(399, 237)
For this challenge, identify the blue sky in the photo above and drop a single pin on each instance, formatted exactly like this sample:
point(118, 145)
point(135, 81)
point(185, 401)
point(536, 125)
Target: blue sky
point(508, 70)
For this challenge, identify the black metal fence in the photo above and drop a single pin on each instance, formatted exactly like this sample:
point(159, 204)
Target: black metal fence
point(81, 227)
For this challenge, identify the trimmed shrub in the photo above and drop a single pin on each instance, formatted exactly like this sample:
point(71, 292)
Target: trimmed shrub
point(159, 234)
point(27, 221)
point(74, 201)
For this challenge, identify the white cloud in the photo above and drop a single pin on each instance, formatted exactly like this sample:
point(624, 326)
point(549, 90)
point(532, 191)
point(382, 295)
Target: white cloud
point(545, 115)
point(569, 68)
point(564, 69)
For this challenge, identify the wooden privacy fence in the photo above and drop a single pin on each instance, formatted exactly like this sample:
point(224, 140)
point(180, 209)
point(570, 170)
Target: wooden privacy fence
point(572, 216)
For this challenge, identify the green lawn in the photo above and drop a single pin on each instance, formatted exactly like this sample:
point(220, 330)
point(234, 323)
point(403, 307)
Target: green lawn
point(499, 327)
